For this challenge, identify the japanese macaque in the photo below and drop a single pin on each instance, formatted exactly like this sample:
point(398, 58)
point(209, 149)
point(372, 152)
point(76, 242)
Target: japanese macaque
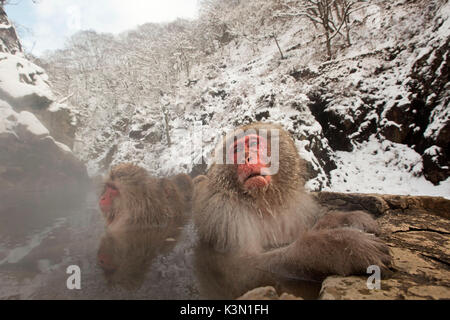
point(251, 209)
point(131, 197)
point(144, 216)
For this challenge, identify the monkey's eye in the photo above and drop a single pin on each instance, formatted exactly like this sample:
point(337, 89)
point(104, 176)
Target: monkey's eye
point(111, 186)
point(253, 143)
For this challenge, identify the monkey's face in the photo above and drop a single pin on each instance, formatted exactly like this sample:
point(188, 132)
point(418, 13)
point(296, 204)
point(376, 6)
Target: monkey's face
point(250, 155)
point(126, 183)
point(259, 161)
point(109, 195)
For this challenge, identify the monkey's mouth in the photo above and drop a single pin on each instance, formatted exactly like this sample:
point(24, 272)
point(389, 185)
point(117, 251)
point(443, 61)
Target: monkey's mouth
point(256, 180)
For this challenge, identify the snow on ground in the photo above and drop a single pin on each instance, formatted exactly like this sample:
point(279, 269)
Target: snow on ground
point(383, 167)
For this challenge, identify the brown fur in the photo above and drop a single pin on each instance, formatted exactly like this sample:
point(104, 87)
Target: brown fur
point(273, 229)
point(146, 200)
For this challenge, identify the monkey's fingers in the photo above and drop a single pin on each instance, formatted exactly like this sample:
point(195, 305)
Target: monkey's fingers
point(355, 219)
point(380, 253)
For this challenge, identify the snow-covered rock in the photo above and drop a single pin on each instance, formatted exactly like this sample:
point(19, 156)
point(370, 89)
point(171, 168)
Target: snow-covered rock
point(9, 42)
point(23, 83)
point(25, 86)
point(34, 158)
point(30, 159)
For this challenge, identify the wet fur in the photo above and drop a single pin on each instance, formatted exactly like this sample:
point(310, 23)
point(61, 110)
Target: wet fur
point(230, 217)
point(146, 200)
point(282, 229)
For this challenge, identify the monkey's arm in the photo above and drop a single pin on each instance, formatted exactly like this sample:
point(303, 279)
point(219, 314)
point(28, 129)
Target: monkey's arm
point(319, 253)
point(354, 219)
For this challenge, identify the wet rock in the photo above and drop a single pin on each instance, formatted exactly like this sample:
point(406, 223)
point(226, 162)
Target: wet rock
point(417, 230)
point(371, 203)
point(379, 204)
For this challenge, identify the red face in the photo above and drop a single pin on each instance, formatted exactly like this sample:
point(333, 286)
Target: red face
point(253, 150)
point(107, 198)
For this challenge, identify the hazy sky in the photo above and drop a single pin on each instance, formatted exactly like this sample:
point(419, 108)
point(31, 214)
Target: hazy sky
point(45, 25)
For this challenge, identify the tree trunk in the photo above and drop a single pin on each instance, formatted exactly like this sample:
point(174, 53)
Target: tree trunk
point(169, 143)
point(166, 120)
point(328, 40)
point(347, 28)
point(279, 49)
point(325, 12)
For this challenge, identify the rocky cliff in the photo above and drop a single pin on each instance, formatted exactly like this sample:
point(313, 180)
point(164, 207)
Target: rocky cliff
point(36, 132)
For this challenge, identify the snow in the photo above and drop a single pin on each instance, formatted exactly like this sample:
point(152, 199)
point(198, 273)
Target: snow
point(433, 151)
point(62, 146)
point(363, 81)
point(19, 77)
point(24, 126)
point(10, 121)
point(440, 117)
point(383, 167)
point(444, 13)
point(32, 124)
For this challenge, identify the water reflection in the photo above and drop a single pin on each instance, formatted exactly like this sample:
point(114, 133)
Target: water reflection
point(127, 256)
point(225, 276)
point(38, 242)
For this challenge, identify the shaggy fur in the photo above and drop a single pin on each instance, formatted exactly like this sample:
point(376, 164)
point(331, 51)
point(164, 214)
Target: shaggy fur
point(145, 200)
point(280, 227)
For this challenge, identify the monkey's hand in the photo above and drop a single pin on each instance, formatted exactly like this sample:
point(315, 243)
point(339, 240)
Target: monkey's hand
point(355, 219)
point(342, 251)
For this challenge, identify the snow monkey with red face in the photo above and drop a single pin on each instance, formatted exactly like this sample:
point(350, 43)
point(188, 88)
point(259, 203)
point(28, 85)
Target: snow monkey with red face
point(252, 204)
point(131, 197)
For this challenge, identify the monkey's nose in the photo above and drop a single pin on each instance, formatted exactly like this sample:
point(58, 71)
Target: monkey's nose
point(251, 158)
